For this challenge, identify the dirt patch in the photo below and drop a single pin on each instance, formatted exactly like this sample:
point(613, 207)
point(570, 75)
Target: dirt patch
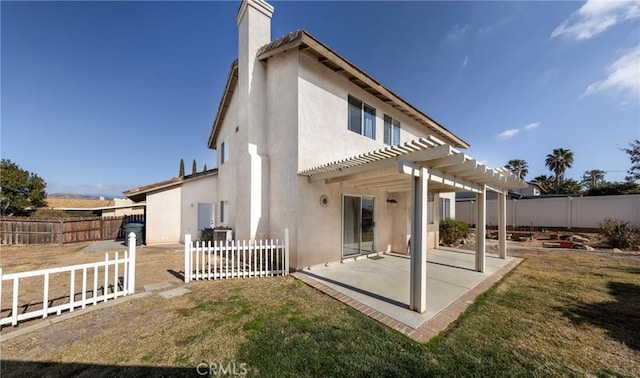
point(153, 265)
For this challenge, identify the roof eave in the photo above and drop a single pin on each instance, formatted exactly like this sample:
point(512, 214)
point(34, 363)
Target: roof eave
point(303, 40)
point(227, 94)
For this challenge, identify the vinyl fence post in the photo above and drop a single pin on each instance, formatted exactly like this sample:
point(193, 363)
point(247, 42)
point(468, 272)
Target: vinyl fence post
point(187, 256)
point(132, 262)
point(286, 251)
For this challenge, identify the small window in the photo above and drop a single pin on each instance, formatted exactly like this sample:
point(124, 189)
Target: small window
point(362, 118)
point(224, 211)
point(430, 208)
point(391, 131)
point(445, 208)
point(224, 151)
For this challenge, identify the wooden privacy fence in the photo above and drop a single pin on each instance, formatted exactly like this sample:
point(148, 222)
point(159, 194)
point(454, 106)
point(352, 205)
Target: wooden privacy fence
point(99, 282)
point(235, 259)
point(18, 230)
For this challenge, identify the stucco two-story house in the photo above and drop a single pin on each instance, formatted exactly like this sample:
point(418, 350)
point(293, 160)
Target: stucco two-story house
point(306, 140)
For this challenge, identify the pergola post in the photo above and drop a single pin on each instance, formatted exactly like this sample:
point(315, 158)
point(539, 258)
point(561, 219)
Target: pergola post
point(418, 267)
point(481, 225)
point(502, 224)
point(418, 276)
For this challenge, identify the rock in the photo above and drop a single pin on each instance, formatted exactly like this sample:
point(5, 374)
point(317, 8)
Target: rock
point(636, 248)
point(584, 247)
point(589, 248)
point(617, 250)
point(579, 239)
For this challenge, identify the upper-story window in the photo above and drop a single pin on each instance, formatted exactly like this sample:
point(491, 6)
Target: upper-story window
point(391, 131)
point(362, 118)
point(224, 150)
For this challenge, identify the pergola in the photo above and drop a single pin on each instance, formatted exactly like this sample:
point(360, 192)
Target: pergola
point(416, 166)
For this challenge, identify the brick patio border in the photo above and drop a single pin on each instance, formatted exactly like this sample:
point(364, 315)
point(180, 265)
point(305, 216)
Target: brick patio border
point(434, 325)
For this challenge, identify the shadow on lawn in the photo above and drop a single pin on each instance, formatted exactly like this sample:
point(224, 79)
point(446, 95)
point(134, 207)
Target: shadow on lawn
point(11, 368)
point(618, 317)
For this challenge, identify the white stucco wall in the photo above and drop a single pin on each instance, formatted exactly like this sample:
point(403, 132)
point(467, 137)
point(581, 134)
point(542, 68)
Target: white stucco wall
point(323, 112)
point(163, 216)
point(282, 140)
point(227, 188)
point(202, 190)
point(323, 137)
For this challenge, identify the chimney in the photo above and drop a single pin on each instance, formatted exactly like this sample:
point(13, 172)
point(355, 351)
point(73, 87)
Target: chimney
point(254, 31)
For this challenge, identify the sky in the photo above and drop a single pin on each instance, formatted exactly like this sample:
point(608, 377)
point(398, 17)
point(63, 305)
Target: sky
point(101, 97)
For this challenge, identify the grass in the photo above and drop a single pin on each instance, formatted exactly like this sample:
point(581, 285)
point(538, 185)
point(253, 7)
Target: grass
point(557, 314)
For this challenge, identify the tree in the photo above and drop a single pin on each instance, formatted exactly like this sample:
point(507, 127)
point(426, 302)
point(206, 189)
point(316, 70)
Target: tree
point(544, 182)
point(518, 167)
point(593, 178)
point(181, 173)
point(614, 188)
point(20, 190)
point(205, 168)
point(570, 186)
point(634, 154)
point(558, 162)
point(194, 167)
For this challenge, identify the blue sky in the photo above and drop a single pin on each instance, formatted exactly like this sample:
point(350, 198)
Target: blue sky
point(102, 97)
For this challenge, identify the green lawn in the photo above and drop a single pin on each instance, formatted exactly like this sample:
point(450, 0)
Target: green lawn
point(556, 314)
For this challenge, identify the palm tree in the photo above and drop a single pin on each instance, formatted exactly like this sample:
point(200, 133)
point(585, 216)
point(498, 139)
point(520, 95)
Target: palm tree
point(558, 162)
point(544, 182)
point(593, 178)
point(571, 186)
point(518, 167)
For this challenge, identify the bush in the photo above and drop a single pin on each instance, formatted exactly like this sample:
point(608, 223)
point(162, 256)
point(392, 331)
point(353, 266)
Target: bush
point(618, 233)
point(452, 230)
point(207, 235)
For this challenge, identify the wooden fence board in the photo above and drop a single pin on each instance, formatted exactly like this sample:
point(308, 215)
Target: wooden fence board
point(19, 230)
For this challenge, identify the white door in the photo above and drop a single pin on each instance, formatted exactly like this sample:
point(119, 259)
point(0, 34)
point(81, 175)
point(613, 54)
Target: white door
point(206, 213)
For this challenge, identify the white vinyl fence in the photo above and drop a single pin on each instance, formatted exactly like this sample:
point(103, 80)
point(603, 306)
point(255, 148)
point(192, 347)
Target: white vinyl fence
point(566, 212)
point(98, 282)
point(235, 259)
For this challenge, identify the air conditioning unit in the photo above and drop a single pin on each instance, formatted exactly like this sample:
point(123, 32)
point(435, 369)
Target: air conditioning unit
point(223, 235)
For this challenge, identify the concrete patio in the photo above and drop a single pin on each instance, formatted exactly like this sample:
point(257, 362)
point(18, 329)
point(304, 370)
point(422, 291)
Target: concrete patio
point(379, 286)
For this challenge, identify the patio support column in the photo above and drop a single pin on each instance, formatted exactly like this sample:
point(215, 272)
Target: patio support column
point(481, 228)
point(502, 224)
point(418, 250)
point(418, 274)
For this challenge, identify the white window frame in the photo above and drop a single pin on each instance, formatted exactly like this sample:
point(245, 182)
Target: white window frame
point(365, 109)
point(224, 212)
point(224, 151)
point(445, 208)
point(391, 131)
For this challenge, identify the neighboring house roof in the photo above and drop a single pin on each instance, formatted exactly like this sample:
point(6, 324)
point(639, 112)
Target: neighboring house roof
point(302, 40)
point(140, 193)
point(102, 208)
point(76, 203)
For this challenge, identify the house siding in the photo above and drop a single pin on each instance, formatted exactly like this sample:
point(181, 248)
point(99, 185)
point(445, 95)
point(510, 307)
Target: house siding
point(163, 216)
point(194, 192)
point(282, 142)
point(227, 188)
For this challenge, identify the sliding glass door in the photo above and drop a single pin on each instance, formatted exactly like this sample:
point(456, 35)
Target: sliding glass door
point(358, 225)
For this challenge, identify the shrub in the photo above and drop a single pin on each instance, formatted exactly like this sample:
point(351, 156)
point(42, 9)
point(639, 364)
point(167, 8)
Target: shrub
point(452, 230)
point(207, 234)
point(618, 233)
